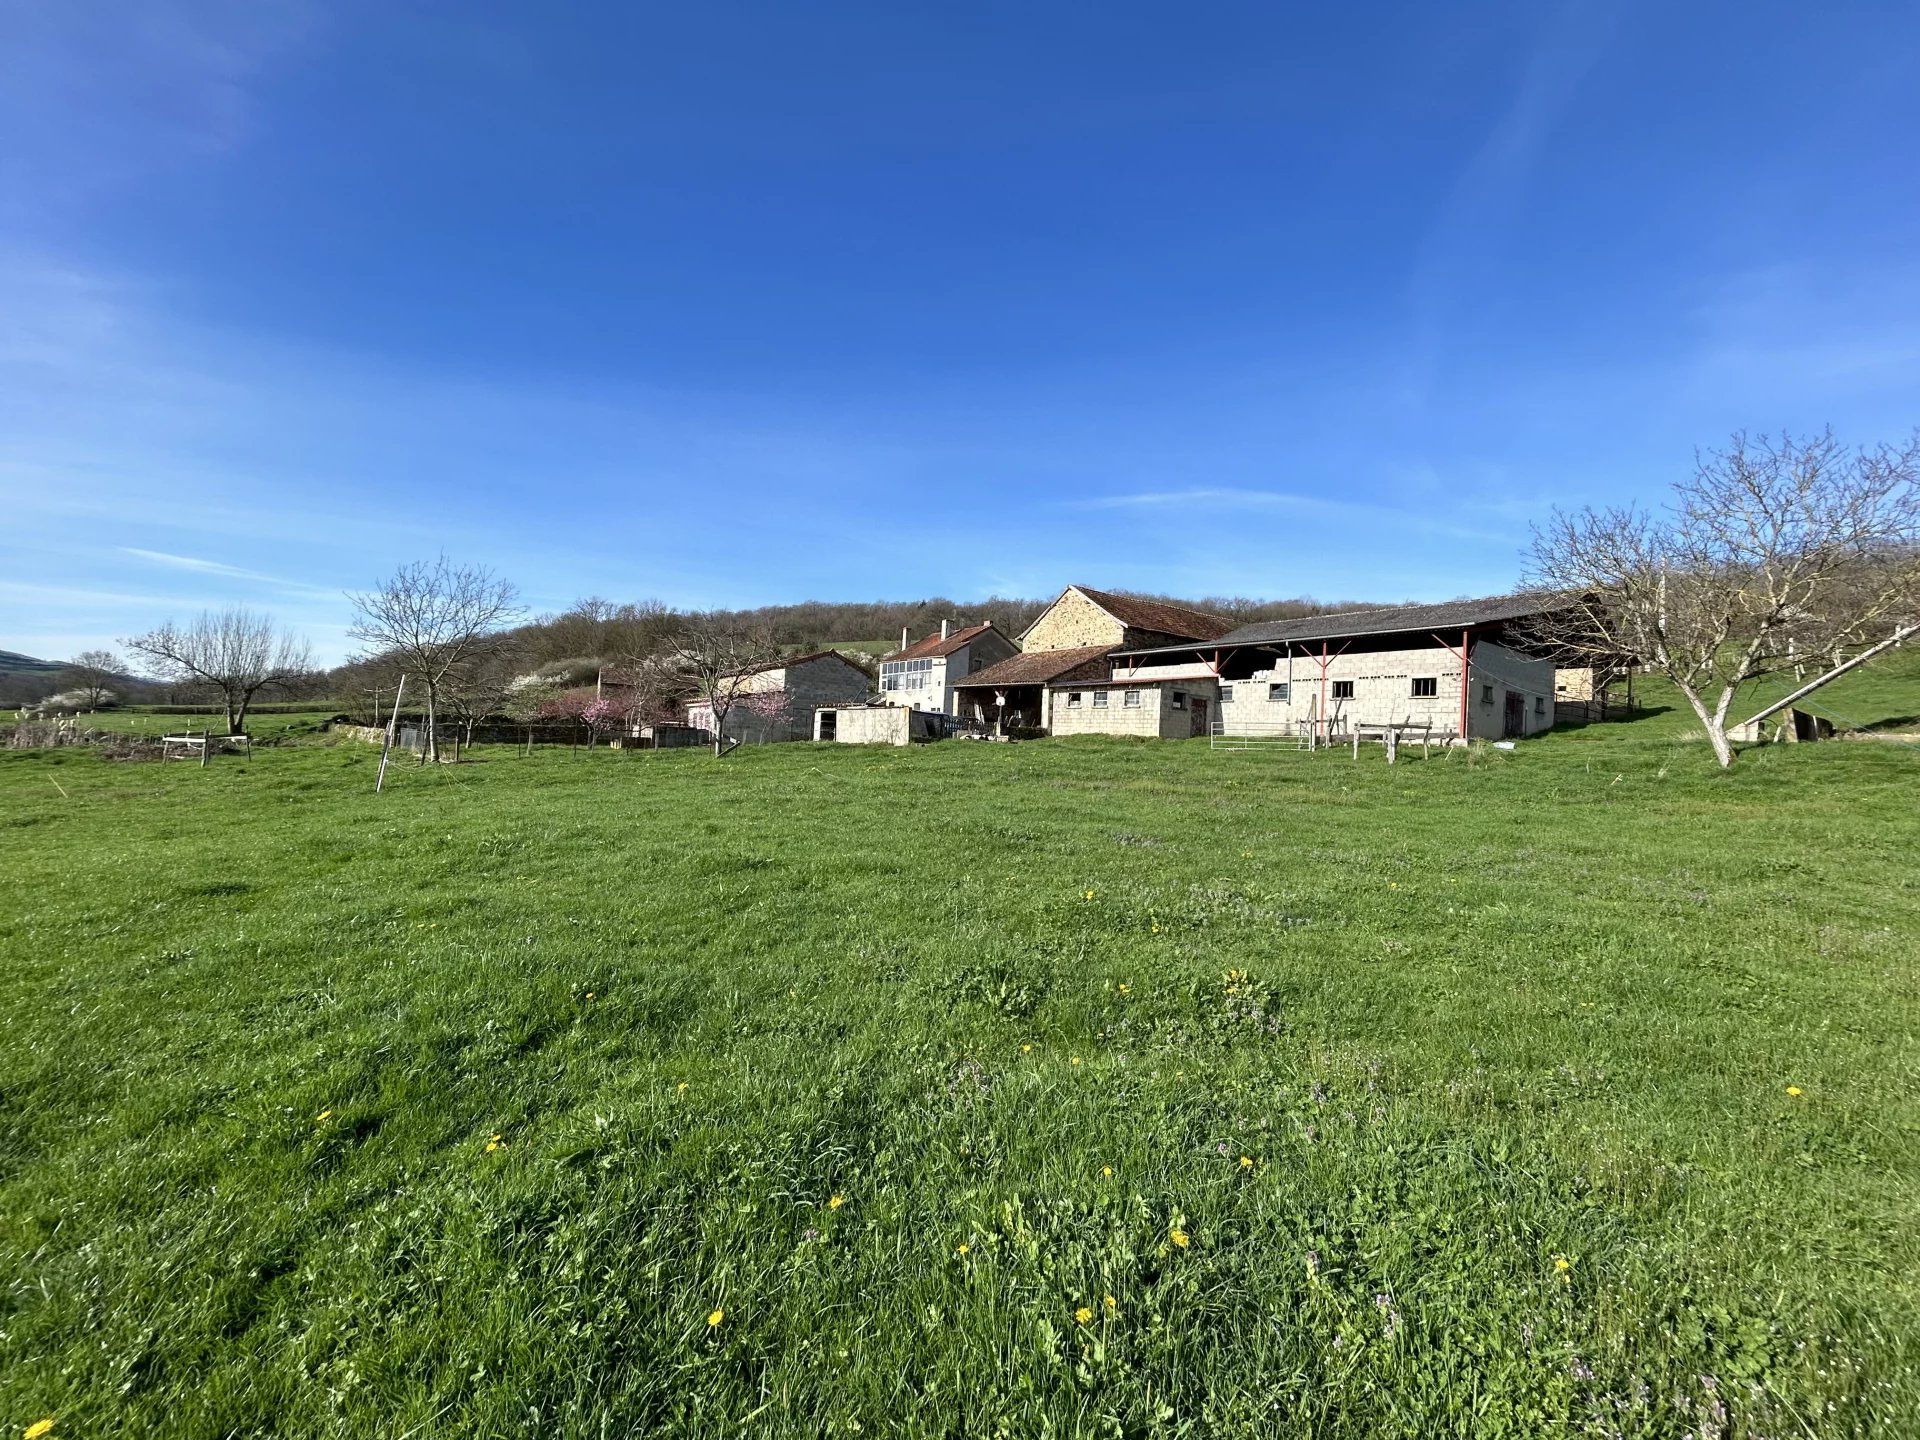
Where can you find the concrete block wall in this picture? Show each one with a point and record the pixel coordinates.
(869, 725)
(1382, 683)
(1154, 716)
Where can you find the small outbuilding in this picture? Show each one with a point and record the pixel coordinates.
(878, 725)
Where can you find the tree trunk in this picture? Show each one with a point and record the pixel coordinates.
(433, 739)
(236, 716)
(1714, 723)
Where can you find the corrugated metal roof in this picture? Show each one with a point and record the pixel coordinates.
(1350, 624)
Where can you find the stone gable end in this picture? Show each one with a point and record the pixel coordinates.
(1070, 622)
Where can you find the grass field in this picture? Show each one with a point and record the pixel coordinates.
(1070, 1088)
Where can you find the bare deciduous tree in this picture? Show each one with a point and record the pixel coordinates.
(478, 689)
(433, 618)
(721, 663)
(236, 652)
(1773, 551)
(91, 675)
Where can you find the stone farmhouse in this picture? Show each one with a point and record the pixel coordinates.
(1463, 668)
(922, 676)
(1070, 643)
(803, 683)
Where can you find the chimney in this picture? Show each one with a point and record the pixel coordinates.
(946, 628)
(903, 637)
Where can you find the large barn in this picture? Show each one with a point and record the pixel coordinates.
(1463, 668)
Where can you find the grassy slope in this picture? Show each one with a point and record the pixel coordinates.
(262, 726)
(1542, 1005)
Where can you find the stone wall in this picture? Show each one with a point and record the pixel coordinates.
(827, 681)
(807, 686)
(1070, 622)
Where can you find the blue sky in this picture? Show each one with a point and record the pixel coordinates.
(736, 304)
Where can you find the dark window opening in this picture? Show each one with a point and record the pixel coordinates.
(1343, 689)
(1425, 687)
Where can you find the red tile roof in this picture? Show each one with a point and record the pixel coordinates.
(1038, 667)
(932, 647)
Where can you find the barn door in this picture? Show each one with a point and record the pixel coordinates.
(1199, 705)
(1516, 718)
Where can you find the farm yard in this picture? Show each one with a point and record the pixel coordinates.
(1078, 1088)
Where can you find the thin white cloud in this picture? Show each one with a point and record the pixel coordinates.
(229, 572)
(105, 95)
(1457, 253)
(203, 567)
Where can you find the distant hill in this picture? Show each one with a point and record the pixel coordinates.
(14, 663)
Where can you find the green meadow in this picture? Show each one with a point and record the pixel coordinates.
(1077, 1088)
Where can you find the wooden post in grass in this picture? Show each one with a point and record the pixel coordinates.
(386, 744)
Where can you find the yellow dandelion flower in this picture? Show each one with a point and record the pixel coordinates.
(495, 1143)
(1178, 1237)
(589, 994)
(961, 1248)
(37, 1429)
(1794, 1090)
(1110, 1302)
(715, 1317)
(1246, 1162)
(323, 1117)
(1084, 1314)
(834, 1202)
(1156, 929)
(1089, 895)
(1107, 1171)
(681, 1088)
(1075, 1060)
(1026, 1049)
